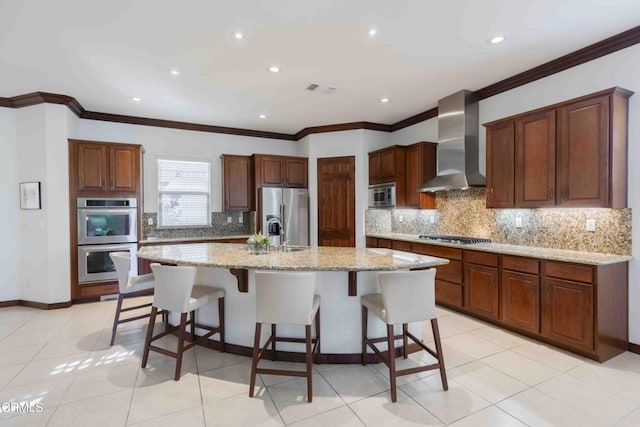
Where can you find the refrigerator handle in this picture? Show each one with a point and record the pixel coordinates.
(282, 229)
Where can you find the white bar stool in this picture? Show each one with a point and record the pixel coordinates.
(129, 287)
(407, 296)
(286, 298)
(175, 291)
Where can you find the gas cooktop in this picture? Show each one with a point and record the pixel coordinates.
(453, 239)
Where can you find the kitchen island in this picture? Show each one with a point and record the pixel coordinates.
(343, 273)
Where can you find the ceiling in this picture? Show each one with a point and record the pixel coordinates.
(104, 53)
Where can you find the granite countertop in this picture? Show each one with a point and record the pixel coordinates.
(592, 258)
(324, 258)
(192, 239)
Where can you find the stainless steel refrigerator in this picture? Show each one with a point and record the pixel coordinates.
(286, 207)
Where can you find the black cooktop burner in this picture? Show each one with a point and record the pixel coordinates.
(454, 239)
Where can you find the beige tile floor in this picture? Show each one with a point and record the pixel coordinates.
(62, 360)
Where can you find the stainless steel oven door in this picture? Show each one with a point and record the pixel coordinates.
(98, 226)
(95, 265)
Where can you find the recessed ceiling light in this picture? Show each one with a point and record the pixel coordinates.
(274, 69)
(373, 32)
(384, 100)
(238, 35)
(175, 72)
(496, 40)
(136, 99)
(262, 116)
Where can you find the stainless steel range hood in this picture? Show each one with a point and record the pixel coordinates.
(458, 150)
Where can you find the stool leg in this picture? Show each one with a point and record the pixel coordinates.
(392, 362)
(273, 340)
(181, 333)
(116, 319)
(147, 341)
(254, 360)
(404, 340)
(318, 332)
(436, 339)
(193, 326)
(221, 322)
(307, 330)
(364, 335)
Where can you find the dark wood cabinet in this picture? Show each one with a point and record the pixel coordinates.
(500, 165)
(99, 169)
(481, 285)
(237, 183)
(572, 154)
(449, 276)
(535, 151)
(520, 300)
(280, 171)
(388, 165)
(420, 168)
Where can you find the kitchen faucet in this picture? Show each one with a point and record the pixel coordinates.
(276, 220)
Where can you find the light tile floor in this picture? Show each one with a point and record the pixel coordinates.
(62, 360)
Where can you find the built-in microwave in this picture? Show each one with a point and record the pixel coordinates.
(382, 196)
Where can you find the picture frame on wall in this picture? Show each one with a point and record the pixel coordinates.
(30, 195)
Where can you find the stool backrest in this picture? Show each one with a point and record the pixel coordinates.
(122, 261)
(173, 287)
(408, 296)
(285, 297)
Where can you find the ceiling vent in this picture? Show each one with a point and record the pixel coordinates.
(327, 90)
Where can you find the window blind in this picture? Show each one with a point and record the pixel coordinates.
(183, 193)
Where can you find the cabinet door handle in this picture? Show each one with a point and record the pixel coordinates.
(551, 194)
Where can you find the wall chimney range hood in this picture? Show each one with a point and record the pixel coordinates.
(458, 149)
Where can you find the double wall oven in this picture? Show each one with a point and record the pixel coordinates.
(105, 226)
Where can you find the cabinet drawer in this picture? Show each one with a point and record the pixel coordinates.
(401, 246)
(372, 242)
(384, 243)
(437, 251)
(579, 273)
(482, 258)
(451, 272)
(448, 293)
(524, 265)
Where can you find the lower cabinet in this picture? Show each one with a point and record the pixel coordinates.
(568, 313)
(481, 290)
(520, 304)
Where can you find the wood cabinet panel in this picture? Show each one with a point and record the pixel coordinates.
(481, 290)
(399, 245)
(92, 167)
(237, 186)
(535, 151)
(296, 172)
(384, 243)
(371, 242)
(563, 270)
(482, 258)
(388, 166)
(374, 168)
(420, 168)
(272, 171)
(336, 201)
(568, 313)
(124, 168)
(520, 300)
(451, 272)
(437, 251)
(525, 265)
(500, 165)
(449, 294)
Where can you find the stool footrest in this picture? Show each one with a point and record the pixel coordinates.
(281, 372)
(136, 307)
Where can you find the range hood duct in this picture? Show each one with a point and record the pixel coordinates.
(458, 148)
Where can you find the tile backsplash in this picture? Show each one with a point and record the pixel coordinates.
(219, 226)
(463, 212)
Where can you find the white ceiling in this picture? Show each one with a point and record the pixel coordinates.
(104, 52)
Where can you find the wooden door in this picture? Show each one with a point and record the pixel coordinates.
(124, 166)
(535, 151)
(237, 188)
(374, 168)
(296, 172)
(92, 168)
(481, 290)
(336, 201)
(272, 171)
(421, 167)
(583, 153)
(520, 305)
(568, 313)
(500, 165)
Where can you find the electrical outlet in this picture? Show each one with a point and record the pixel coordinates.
(399, 218)
(518, 222)
(240, 219)
(432, 219)
(150, 221)
(229, 219)
(590, 225)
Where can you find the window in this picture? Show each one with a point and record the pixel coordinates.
(183, 193)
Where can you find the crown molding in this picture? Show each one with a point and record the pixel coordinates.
(596, 50)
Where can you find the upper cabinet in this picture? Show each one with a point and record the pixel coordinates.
(237, 187)
(420, 168)
(104, 169)
(387, 165)
(572, 154)
(280, 171)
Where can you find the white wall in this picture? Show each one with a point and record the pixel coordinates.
(621, 69)
(9, 206)
(184, 144)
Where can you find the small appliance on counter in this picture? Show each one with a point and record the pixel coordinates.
(453, 239)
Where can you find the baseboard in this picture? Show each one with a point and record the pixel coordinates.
(634, 348)
(34, 304)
